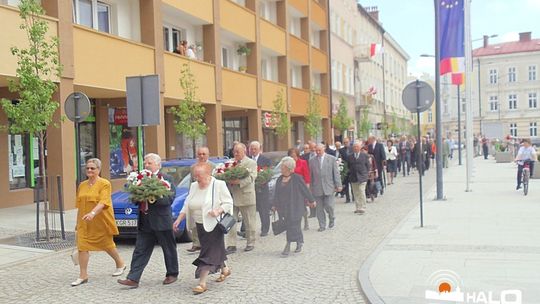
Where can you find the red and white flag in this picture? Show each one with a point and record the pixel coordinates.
(375, 48)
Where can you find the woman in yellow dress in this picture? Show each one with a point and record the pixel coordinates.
(95, 221)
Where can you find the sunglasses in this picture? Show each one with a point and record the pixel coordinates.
(91, 168)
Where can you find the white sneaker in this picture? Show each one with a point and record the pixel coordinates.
(119, 271)
(78, 282)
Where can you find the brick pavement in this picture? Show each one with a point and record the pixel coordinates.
(325, 272)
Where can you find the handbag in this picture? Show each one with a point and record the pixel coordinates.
(226, 221)
(278, 225)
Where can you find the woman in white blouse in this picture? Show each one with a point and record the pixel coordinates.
(391, 160)
(208, 198)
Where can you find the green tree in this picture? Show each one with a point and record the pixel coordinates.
(313, 116)
(394, 124)
(189, 114)
(341, 119)
(37, 66)
(280, 120)
(364, 125)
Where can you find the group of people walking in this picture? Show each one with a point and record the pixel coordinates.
(307, 185)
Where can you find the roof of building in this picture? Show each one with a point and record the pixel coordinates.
(532, 45)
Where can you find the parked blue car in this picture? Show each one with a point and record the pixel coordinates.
(125, 212)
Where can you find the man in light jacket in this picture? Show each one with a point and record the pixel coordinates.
(325, 180)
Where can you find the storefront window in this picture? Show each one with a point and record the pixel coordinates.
(18, 151)
(124, 153)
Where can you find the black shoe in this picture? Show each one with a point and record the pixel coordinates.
(249, 248)
(312, 216)
(298, 247)
(347, 201)
(241, 234)
(518, 187)
(321, 229)
(331, 225)
(230, 250)
(287, 249)
(263, 234)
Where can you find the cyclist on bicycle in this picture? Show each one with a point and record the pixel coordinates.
(526, 154)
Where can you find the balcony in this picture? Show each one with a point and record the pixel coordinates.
(202, 9)
(300, 5)
(318, 14)
(299, 50)
(11, 35)
(237, 20)
(270, 91)
(319, 60)
(239, 89)
(299, 101)
(273, 37)
(324, 105)
(204, 74)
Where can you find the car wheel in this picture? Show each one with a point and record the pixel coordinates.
(183, 236)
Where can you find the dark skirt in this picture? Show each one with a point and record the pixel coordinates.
(294, 230)
(212, 256)
(391, 166)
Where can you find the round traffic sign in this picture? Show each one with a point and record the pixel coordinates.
(418, 96)
(77, 107)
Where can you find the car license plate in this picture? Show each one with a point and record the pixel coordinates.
(126, 223)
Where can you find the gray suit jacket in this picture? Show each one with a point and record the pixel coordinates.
(324, 180)
(244, 193)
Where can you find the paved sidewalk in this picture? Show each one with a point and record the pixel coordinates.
(489, 238)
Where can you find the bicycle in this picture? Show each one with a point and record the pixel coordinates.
(525, 177)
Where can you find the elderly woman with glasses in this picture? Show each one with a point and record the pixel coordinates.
(95, 221)
(290, 192)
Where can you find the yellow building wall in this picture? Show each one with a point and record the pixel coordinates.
(299, 101)
(300, 5)
(237, 19)
(11, 35)
(104, 60)
(319, 60)
(239, 89)
(270, 92)
(202, 9)
(273, 37)
(299, 50)
(318, 14)
(204, 74)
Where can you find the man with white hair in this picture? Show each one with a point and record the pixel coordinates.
(325, 180)
(243, 192)
(155, 224)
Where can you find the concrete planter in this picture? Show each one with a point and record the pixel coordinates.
(536, 170)
(503, 157)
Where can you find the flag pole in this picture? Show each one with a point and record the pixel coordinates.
(468, 93)
(438, 112)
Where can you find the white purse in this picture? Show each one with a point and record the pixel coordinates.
(75, 253)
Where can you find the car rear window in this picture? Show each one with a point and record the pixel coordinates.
(177, 173)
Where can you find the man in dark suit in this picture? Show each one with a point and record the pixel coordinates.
(359, 166)
(154, 224)
(262, 192)
(377, 150)
(342, 152)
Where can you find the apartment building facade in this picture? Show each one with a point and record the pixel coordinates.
(381, 76)
(505, 90)
(103, 42)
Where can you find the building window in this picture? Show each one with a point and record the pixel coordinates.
(533, 101)
(512, 74)
(123, 142)
(430, 116)
(226, 60)
(513, 129)
(445, 106)
(533, 131)
(334, 75)
(493, 76)
(493, 103)
(19, 161)
(512, 101)
(532, 72)
(172, 37)
(92, 13)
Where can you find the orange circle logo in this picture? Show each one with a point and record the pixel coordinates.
(445, 287)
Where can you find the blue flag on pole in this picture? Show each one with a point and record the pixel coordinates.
(451, 35)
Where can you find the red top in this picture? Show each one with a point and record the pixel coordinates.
(303, 170)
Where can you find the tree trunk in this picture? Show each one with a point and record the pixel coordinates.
(193, 142)
(43, 173)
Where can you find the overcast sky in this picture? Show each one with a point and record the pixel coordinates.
(411, 23)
